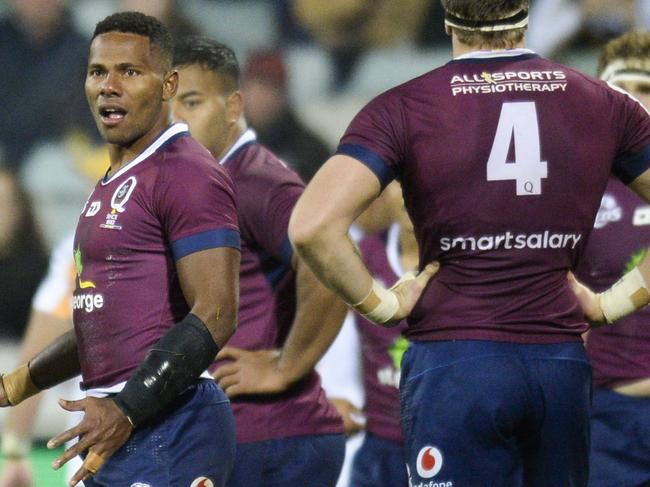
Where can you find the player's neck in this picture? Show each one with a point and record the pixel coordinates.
(460, 49)
(121, 155)
(235, 131)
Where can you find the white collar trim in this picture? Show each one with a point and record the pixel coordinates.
(174, 129)
(497, 53)
(248, 136)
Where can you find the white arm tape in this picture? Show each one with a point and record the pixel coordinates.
(386, 308)
(627, 295)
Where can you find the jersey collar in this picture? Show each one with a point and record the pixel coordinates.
(248, 137)
(495, 54)
(169, 133)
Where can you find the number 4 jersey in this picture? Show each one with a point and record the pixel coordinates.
(503, 157)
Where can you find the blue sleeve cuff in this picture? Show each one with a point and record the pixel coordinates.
(630, 166)
(287, 252)
(211, 239)
(374, 162)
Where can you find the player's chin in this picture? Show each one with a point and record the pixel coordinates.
(112, 135)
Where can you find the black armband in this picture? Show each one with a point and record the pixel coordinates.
(172, 365)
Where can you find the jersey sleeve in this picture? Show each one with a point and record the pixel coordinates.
(196, 205)
(266, 205)
(375, 137)
(633, 154)
(54, 293)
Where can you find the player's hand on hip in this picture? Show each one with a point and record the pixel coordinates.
(409, 289)
(103, 430)
(250, 372)
(589, 300)
(353, 419)
(16, 473)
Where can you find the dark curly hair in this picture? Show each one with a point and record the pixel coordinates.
(141, 24)
(210, 55)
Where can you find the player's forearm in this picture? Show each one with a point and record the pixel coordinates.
(319, 316)
(333, 258)
(55, 364)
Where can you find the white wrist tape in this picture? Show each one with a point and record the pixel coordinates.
(382, 302)
(14, 447)
(626, 296)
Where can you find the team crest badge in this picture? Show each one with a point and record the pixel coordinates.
(122, 194)
(202, 482)
(429, 462)
(118, 202)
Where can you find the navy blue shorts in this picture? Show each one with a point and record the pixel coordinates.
(284, 462)
(195, 440)
(379, 462)
(620, 440)
(478, 413)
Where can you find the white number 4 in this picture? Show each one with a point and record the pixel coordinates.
(518, 120)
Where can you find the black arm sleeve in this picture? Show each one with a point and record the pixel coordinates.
(172, 365)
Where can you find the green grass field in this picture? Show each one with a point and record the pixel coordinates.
(41, 459)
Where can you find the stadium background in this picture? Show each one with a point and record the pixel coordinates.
(328, 58)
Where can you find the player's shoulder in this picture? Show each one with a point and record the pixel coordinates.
(184, 157)
(184, 151)
(257, 164)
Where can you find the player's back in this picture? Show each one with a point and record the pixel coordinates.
(503, 160)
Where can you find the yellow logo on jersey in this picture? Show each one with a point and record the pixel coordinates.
(488, 77)
(79, 267)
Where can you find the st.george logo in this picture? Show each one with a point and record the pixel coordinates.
(429, 462)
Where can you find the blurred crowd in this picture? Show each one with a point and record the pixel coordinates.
(309, 65)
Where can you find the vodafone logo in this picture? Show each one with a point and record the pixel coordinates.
(429, 462)
(202, 482)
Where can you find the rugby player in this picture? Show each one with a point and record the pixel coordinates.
(157, 264)
(503, 158)
(620, 355)
(294, 435)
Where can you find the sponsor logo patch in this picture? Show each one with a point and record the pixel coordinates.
(429, 462)
(508, 82)
(202, 482)
(93, 209)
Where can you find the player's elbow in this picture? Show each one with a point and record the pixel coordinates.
(305, 233)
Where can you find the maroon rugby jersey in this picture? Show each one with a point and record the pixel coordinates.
(267, 191)
(618, 353)
(381, 347)
(170, 201)
(503, 158)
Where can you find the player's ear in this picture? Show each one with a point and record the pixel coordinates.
(234, 107)
(170, 84)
